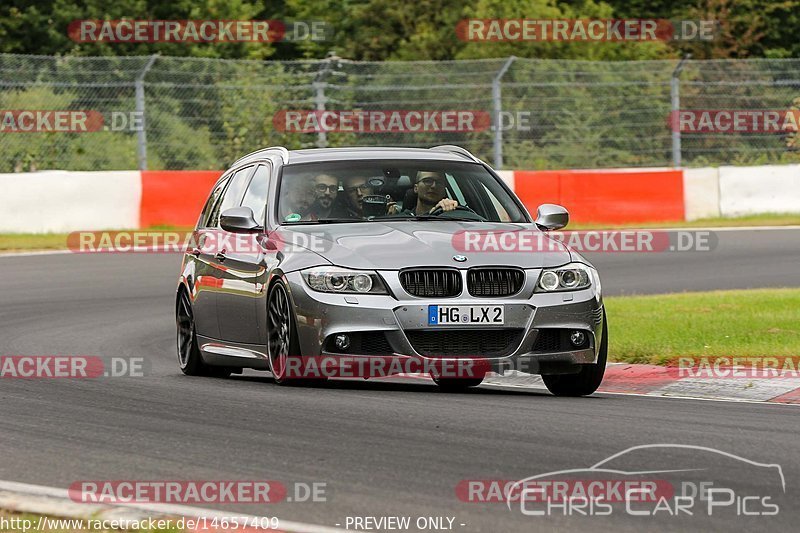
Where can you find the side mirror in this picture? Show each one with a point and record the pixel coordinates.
(551, 217)
(239, 220)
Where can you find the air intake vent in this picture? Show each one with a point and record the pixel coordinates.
(549, 340)
(465, 343)
(431, 283)
(494, 282)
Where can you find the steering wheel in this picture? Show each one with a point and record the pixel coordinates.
(438, 211)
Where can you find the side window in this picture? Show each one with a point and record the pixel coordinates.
(256, 195)
(232, 197)
(211, 204)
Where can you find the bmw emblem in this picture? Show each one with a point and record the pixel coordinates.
(460, 258)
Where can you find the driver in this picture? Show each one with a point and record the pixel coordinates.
(431, 190)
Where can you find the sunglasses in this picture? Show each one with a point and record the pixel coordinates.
(321, 188)
(432, 182)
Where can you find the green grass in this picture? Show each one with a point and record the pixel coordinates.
(22, 242)
(742, 323)
(768, 219)
(17, 242)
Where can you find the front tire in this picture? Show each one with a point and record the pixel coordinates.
(587, 380)
(282, 342)
(189, 359)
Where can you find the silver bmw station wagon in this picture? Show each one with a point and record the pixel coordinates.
(366, 262)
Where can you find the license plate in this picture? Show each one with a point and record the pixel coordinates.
(447, 315)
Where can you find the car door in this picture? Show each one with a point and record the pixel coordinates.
(201, 255)
(241, 267)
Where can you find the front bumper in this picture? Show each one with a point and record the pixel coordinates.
(320, 315)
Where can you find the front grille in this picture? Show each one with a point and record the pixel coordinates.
(495, 281)
(432, 282)
(486, 342)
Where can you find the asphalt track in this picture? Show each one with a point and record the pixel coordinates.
(383, 448)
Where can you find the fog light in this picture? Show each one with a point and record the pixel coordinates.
(577, 338)
(342, 342)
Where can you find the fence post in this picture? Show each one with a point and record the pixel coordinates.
(498, 109)
(141, 135)
(675, 96)
(319, 95)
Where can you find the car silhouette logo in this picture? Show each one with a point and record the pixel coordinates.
(460, 258)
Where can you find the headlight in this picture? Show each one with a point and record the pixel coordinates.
(571, 277)
(343, 280)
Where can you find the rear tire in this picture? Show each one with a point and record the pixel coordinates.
(189, 359)
(587, 380)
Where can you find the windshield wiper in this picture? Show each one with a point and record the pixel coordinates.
(323, 221)
(432, 217)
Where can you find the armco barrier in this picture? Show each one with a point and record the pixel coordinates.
(60, 201)
(610, 196)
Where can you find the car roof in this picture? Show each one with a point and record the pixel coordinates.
(313, 155)
(340, 154)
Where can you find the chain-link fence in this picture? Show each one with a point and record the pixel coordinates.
(204, 113)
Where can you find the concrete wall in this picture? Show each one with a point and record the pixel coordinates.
(61, 201)
(763, 189)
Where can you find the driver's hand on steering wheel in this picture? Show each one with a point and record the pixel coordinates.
(446, 204)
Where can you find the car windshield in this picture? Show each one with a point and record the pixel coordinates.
(387, 190)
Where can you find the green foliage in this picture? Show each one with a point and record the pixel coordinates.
(424, 29)
(47, 150)
(203, 114)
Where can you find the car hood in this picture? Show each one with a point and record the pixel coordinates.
(397, 245)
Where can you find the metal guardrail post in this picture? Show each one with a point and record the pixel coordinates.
(498, 109)
(675, 97)
(320, 99)
(141, 135)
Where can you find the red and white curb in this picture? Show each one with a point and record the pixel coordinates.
(654, 380)
(55, 502)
